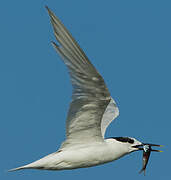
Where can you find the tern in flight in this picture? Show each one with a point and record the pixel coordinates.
(91, 111)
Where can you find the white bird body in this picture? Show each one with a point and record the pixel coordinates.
(82, 156)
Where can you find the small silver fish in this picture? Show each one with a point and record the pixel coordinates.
(146, 154)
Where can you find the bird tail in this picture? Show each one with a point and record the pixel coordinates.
(18, 168)
(27, 166)
(42, 163)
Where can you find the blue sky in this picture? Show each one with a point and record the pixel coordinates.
(129, 43)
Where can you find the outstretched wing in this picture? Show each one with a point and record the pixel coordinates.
(90, 96)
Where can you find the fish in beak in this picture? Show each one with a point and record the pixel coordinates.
(146, 153)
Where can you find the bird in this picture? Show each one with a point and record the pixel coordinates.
(91, 111)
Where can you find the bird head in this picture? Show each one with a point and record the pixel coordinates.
(135, 145)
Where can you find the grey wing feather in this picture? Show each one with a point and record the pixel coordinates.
(90, 95)
(111, 112)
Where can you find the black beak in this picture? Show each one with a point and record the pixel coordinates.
(141, 147)
(146, 153)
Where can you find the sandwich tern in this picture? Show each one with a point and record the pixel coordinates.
(91, 111)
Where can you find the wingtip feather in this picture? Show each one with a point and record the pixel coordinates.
(46, 7)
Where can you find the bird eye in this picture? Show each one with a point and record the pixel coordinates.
(131, 141)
